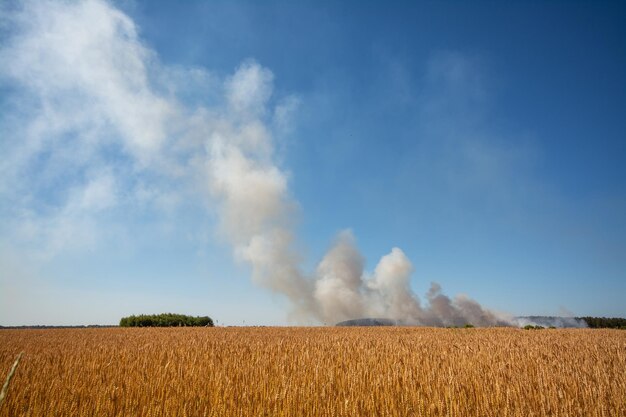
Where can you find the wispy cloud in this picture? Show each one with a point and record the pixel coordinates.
(90, 125)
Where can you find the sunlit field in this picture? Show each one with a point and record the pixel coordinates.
(315, 372)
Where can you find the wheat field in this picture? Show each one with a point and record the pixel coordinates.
(315, 372)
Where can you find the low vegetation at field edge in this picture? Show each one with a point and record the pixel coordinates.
(165, 320)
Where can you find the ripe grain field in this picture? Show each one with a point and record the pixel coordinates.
(315, 372)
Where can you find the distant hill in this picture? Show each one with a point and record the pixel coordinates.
(369, 322)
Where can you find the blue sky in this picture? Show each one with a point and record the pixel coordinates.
(486, 140)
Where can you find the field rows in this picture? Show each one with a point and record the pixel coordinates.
(315, 372)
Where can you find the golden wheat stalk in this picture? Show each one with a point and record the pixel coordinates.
(5, 387)
(319, 372)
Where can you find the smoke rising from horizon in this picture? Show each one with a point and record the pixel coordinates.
(88, 103)
(548, 321)
(255, 208)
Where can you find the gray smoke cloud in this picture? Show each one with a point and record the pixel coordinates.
(549, 321)
(255, 212)
(96, 88)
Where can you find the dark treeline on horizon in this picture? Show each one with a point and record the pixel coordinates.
(604, 322)
(165, 320)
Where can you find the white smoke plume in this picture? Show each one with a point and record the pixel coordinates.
(98, 90)
(549, 321)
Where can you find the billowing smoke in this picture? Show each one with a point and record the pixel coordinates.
(255, 213)
(96, 90)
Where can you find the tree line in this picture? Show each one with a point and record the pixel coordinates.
(165, 320)
(604, 322)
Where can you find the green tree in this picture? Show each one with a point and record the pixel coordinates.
(165, 320)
